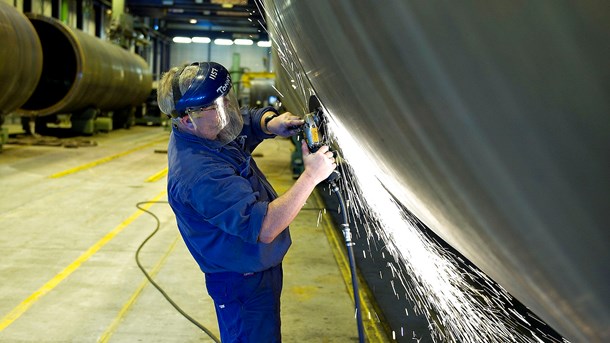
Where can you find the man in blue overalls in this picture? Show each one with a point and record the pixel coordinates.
(231, 219)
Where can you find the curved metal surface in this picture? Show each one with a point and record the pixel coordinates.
(494, 120)
(81, 70)
(20, 58)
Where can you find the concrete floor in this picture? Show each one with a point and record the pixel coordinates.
(69, 231)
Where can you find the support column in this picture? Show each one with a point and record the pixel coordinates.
(79, 14)
(118, 7)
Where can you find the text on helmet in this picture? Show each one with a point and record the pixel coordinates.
(224, 88)
(213, 73)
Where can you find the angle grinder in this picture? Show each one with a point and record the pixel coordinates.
(314, 131)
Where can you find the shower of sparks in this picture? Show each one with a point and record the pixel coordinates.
(435, 282)
(456, 310)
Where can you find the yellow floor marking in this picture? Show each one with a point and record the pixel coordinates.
(104, 160)
(157, 176)
(132, 300)
(373, 328)
(51, 284)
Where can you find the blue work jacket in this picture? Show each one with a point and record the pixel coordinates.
(220, 198)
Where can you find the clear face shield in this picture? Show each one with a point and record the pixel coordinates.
(222, 118)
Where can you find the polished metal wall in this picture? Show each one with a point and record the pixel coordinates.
(494, 120)
(20, 59)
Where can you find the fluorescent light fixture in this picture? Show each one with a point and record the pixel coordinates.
(193, 21)
(181, 40)
(264, 44)
(220, 41)
(201, 40)
(244, 42)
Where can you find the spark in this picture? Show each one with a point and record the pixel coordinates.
(278, 91)
(319, 219)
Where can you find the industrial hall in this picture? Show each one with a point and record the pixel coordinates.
(304, 171)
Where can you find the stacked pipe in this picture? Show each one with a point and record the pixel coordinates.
(52, 68)
(20, 59)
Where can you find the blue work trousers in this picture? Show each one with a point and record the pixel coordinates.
(247, 305)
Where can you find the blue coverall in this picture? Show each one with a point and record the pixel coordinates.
(220, 198)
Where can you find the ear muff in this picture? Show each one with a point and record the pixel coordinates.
(176, 91)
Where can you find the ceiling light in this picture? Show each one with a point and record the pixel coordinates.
(264, 44)
(233, 14)
(193, 21)
(201, 40)
(220, 41)
(232, 2)
(181, 40)
(244, 42)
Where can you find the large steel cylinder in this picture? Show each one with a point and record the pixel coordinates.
(492, 118)
(81, 70)
(20, 58)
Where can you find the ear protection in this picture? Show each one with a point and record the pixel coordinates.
(176, 90)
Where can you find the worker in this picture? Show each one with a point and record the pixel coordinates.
(232, 221)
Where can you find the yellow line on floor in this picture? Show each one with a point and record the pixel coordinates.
(51, 284)
(373, 328)
(157, 176)
(132, 300)
(104, 160)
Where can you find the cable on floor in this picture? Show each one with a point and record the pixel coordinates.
(184, 314)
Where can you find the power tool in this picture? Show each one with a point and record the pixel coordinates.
(314, 131)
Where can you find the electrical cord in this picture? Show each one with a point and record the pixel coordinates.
(184, 314)
(350, 254)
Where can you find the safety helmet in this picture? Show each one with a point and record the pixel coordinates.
(211, 82)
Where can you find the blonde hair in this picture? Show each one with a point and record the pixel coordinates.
(165, 93)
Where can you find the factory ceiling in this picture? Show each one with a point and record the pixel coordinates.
(203, 18)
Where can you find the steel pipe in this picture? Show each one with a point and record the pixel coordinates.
(492, 118)
(81, 70)
(20, 58)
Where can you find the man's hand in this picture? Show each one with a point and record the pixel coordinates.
(285, 125)
(320, 164)
(284, 209)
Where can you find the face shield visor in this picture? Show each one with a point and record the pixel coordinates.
(211, 103)
(222, 118)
